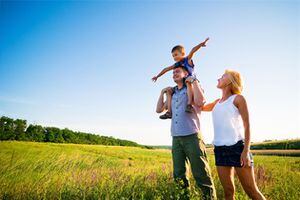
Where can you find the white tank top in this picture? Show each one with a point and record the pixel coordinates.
(228, 124)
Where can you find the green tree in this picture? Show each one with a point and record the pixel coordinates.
(11, 129)
(7, 128)
(19, 129)
(50, 134)
(68, 136)
(58, 138)
(2, 123)
(35, 133)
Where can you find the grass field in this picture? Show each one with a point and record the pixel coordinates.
(31, 170)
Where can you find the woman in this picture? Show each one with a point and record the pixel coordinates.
(232, 137)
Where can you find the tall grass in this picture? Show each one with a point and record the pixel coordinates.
(31, 170)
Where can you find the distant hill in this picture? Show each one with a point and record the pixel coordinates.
(277, 144)
(161, 147)
(292, 144)
(17, 129)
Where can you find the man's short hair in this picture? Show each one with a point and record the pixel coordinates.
(179, 48)
(178, 65)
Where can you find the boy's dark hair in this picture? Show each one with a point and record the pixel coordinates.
(179, 48)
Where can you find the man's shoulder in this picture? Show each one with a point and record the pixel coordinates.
(175, 88)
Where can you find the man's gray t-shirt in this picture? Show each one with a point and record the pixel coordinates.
(183, 123)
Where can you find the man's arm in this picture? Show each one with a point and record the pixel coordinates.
(165, 70)
(196, 48)
(199, 99)
(161, 103)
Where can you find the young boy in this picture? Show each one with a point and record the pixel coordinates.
(178, 54)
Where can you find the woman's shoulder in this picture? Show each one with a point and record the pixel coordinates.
(239, 99)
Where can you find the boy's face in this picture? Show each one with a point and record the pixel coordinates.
(177, 55)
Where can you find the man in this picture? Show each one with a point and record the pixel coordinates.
(187, 143)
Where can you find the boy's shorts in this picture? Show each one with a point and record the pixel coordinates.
(191, 75)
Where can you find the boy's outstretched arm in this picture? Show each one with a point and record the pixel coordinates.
(165, 70)
(196, 48)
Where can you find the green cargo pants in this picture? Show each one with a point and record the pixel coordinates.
(192, 148)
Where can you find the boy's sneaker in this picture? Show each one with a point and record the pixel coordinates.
(167, 115)
(189, 108)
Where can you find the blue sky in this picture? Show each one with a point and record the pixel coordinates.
(87, 65)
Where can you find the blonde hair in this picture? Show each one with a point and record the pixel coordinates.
(236, 80)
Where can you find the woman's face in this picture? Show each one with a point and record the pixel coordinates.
(223, 81)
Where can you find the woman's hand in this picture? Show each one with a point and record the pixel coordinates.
(245, 159)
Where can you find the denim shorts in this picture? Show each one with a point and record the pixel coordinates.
(230, 155)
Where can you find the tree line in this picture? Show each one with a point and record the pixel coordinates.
(279, 144)
(17, 129)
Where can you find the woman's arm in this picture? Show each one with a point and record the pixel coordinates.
(241, 104)
(209, 106)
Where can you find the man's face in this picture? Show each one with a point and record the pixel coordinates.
(179, 74)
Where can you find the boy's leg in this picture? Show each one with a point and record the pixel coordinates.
(189, 92)
(168, 114)
(196, 153)
(189, 107)
(169, 101)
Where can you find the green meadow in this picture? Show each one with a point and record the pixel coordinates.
(31, 170)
